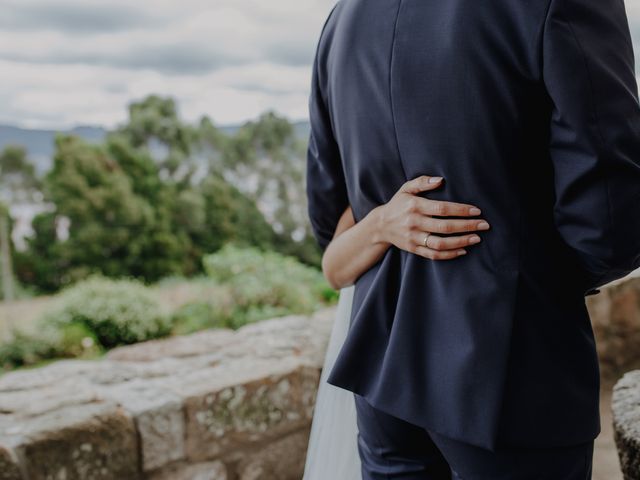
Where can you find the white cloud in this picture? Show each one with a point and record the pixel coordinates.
(69, 62)
(45, 95)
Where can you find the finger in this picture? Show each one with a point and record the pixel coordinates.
(445, 225)
(441, 208)
(420, 184)
(436, 242)
(436, 254)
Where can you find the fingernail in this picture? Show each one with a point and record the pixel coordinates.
(474, 239)
(462, 252)
(474, 211)
(483, 226)
(434, 179)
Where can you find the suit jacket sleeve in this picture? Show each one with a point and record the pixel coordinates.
(325, 181)
(588, 72)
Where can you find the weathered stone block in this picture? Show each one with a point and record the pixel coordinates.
(9, 468)
(283, 459)
(198, 471)
(197, 343)
(51, 397)
(261, 403)
(81, 442)
(625, 405)
(159, 419)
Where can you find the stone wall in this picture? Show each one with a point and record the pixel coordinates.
(626, 423)
(216, 404)
(615, 314)
(225, 405)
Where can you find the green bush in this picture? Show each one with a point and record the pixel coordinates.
(113, 312)
(213, 312)
(76, 340)
(242, 285)
(252, 285)
(49, 342)
(24, 349)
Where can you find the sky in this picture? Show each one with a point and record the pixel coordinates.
(80, 62)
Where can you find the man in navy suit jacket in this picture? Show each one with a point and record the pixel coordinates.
(529, 110)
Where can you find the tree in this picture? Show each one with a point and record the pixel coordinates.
(5, 254)
(158, 194)
(113, 230)
(154, 124)
(18, 179)
(265, 160)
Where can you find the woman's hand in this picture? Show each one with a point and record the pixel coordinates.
(407, 218)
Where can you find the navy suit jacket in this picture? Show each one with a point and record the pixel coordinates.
(529, 110)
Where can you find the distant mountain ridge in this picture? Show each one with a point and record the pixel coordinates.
(39, 143)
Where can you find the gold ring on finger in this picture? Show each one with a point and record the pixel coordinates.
(426, 237)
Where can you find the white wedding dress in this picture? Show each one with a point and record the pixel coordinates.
(332, 453)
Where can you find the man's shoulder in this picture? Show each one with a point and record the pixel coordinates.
(327, 26)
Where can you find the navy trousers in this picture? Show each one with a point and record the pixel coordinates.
(391, 448)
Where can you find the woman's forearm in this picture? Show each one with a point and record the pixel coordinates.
(355, 250)
(407, 221)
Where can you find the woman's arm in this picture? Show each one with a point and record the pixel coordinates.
(403, 221)
(354, 249)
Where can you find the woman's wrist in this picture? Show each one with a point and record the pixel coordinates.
(377, 221)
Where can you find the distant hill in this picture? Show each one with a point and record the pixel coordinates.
(39, 143)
